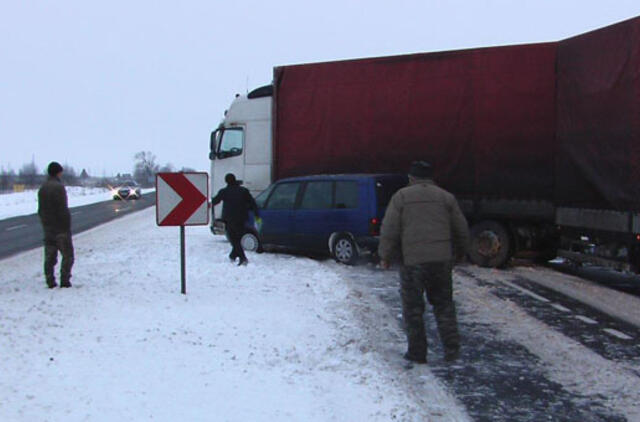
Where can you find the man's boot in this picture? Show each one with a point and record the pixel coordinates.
(416, 359)
(51, 283)
(451, 355)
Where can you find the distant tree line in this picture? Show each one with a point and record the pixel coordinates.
(30, 176)
(145, 168)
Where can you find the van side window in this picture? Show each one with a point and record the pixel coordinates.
(346, 194)
(283, 196)
(317, 195)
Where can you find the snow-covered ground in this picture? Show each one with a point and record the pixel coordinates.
(25, 203)
(280, 339)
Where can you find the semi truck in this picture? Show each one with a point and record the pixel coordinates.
(540, 143)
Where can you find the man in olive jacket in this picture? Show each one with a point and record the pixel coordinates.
(56, 224)
(423, 227)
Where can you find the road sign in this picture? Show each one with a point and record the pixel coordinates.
(182, 199)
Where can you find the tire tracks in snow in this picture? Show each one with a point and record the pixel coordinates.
(498, 376)
(592, 377)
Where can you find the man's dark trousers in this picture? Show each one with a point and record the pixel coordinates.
(235, 230)
(434, 279)
(52, 244)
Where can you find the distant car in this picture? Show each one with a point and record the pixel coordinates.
(127, 190)
(338, 215)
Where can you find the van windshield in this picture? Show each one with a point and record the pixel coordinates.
(263, 196)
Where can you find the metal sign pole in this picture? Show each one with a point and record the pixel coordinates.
(181, 200)
(182, 262)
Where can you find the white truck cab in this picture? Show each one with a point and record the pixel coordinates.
(242, 143)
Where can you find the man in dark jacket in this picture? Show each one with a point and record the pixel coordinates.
(237, 201)
(54, 215)
(423, 226)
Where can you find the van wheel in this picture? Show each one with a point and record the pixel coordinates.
(250, 242)
(490, 244)
(345, 250)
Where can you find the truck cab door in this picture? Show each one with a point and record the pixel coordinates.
(228, 158)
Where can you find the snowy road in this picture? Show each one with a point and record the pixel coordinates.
(290, 338)
(531, 353)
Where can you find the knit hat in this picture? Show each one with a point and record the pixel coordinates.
(421, 170)
(54, 168)
(230, 178)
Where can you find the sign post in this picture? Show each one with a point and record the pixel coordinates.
(183, 265)
(182, 200)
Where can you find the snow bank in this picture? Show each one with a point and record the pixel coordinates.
(25, 203)
(271, 341)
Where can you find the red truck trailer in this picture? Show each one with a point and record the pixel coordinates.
(597, 166)
(538, 142)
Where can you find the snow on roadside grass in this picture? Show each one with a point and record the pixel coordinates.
(271, 341)
(24, 203)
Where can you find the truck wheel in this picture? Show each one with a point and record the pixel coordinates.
(345, 250)
(490, 244)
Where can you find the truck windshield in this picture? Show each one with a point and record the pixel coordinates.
(231, 143)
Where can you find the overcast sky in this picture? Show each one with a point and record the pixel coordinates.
(91, 84)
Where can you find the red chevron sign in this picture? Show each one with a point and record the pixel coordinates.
(181, 199)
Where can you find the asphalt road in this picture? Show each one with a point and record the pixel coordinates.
(500, 379)
(624, 282)
(23, 233)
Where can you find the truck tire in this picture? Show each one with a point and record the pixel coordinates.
(490, 245)
(345, 250)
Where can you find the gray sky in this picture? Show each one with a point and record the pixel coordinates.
(92, 83)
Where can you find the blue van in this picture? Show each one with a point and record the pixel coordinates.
(335, 214)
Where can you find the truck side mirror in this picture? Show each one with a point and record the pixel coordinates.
(212, 145)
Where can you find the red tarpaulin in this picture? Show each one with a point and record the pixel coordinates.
(485, 118)
(598, 160)
(556, 121)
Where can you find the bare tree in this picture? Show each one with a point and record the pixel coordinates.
(145, 167)
(7, 179)
(29, 174)
(167, 168)
(70, 177)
